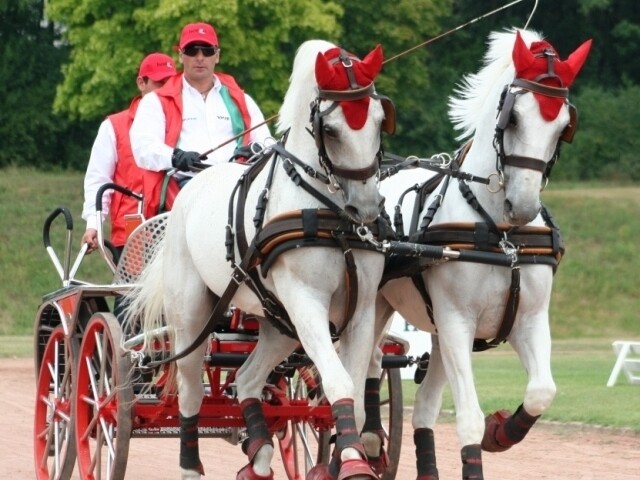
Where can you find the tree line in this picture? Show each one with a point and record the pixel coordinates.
(69, 63)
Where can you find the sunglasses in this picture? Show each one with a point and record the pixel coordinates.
(192, 50)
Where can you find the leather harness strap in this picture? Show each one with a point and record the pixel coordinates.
(533, 245)
(529, 239)
(525, 162)
(252, 256)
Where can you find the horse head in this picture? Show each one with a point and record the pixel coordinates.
(524, 79)
(346, 119)
(534, 116)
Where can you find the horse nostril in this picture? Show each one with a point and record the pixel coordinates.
(352, 212)
(507, 206)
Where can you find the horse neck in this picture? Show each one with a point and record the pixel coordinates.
(481, 162)
(285, 195)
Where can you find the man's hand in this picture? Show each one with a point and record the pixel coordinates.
(90, 237)
(184, 160)
(244, 153)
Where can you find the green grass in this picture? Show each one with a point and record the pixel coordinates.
(597, 288)
(12, 346)
(596, 291)
(580, 369)
(27, 197)
(596, 296)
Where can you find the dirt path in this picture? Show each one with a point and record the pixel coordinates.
(549, 452)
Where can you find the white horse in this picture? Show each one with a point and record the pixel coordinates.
(524, 85)
(190, 274)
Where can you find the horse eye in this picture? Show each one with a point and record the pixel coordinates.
(330, 131)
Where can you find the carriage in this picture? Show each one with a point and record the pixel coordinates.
(94, 392)
(99, 386)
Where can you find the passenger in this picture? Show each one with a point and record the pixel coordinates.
(191, 114)
(111, 159)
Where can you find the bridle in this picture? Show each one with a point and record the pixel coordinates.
(355, 92)
(505, 111)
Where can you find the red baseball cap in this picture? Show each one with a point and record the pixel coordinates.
(198, 32)
(157, 67)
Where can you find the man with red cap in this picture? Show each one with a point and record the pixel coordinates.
(112, 160)
(192, 113)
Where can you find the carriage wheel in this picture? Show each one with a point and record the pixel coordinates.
(391, 413)
(54, 442)
(302, 444)
(103, 400)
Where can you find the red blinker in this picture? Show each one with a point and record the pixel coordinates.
(332, 75)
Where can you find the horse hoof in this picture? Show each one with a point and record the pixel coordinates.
(491, 424)
(247, 473)
(356, 468)
(320, 472)
(380, 463)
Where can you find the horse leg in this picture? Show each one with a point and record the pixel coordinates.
(250, 379)
(311, 313)
(503, 429)
(373, 434)
(428, 404)
(190, 394)
(187, 303)
(455, 342)
(356, 345)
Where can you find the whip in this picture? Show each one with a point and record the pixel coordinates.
(427, 42)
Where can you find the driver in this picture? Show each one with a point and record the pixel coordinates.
(193, 112)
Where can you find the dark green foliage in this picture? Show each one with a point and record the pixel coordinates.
(86, 61)
(410, 79)
(31, 134)
(606, 144)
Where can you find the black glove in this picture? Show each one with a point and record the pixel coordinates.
(245, 152)
(184, 160)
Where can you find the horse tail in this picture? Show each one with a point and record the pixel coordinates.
(145, 304)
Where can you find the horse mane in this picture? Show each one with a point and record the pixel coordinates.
(466, 105)
(302, 84)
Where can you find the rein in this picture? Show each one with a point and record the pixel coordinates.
(302, 228)
(329, 227)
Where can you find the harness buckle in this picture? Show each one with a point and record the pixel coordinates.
(333, 186)
(238, 275)
(509, 249)
(499, 176)
(443, 158)
(346, 61)
(367, 236)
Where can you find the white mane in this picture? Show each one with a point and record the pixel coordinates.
(302, 84)
(467, 104)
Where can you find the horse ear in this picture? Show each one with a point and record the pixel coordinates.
(576, 60)
(372, 63)
(522, 56)
(324, 71)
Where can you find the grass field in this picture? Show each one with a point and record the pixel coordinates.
(596, 296)
(596, 291)
(580, 368)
